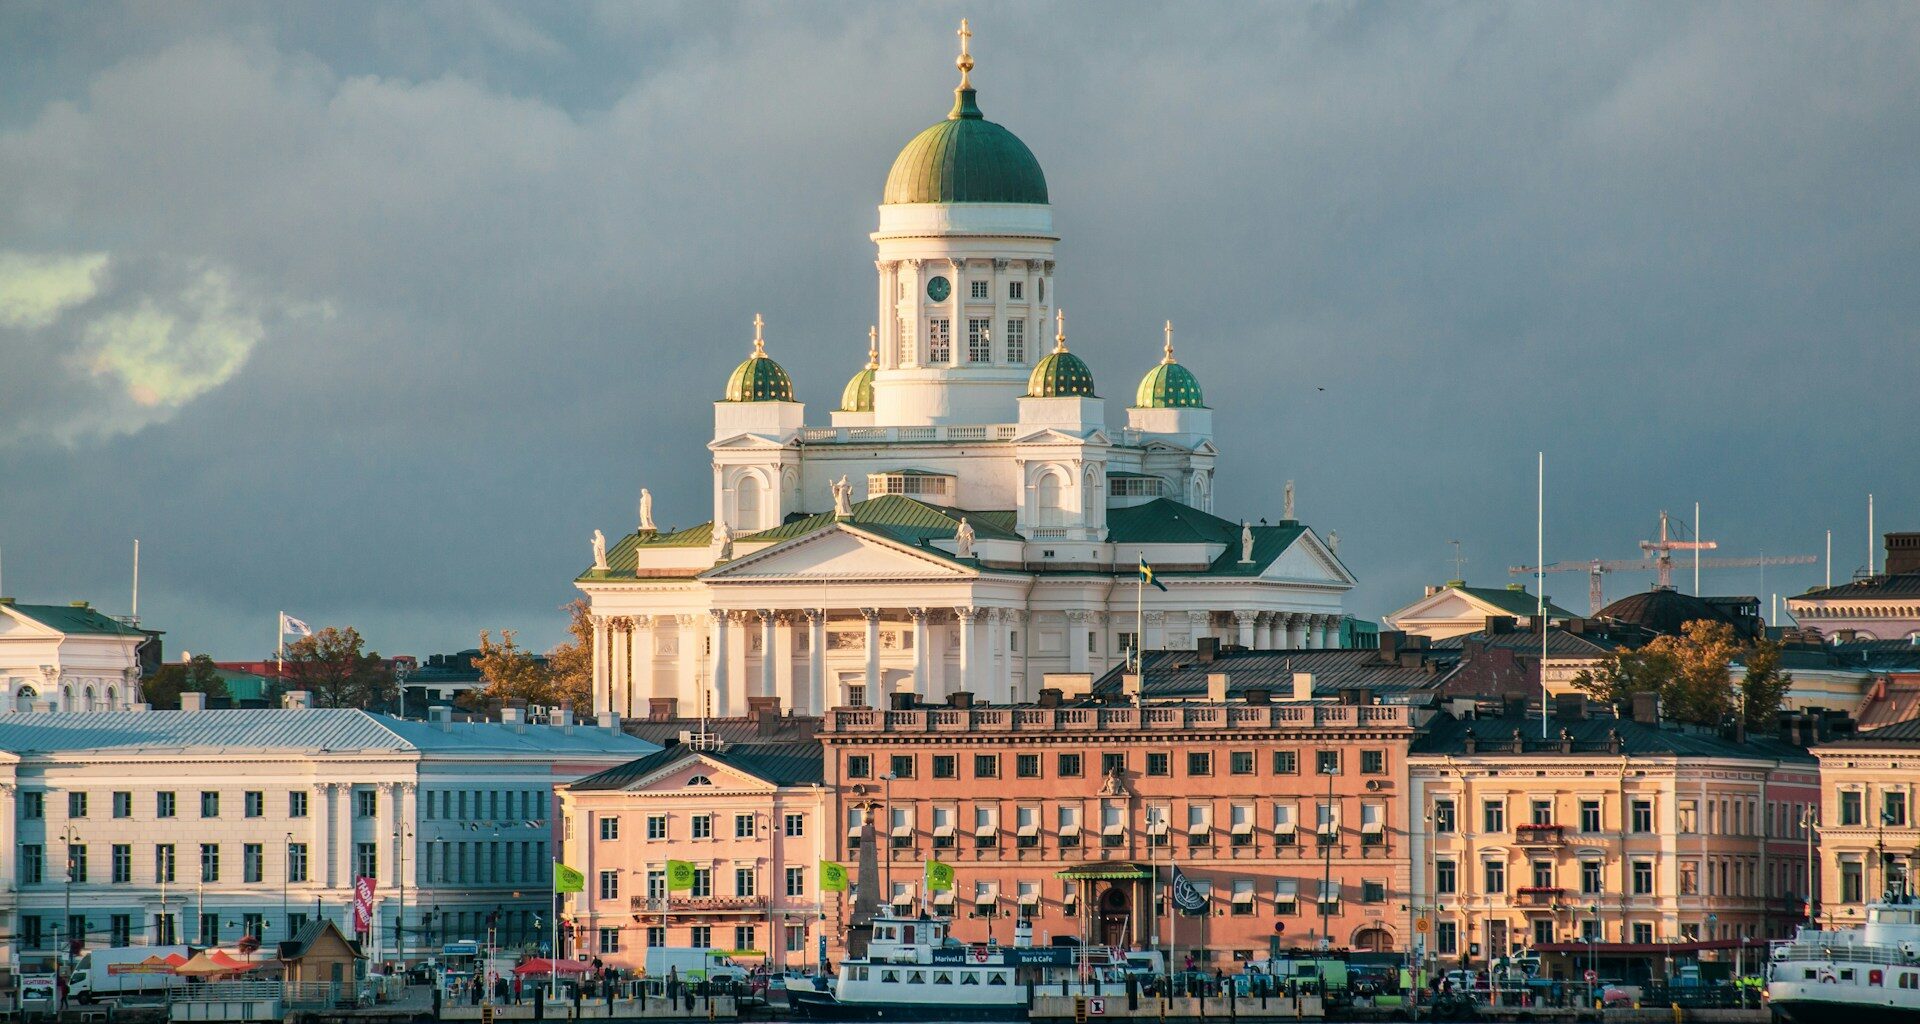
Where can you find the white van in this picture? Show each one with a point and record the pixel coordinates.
(124, 971)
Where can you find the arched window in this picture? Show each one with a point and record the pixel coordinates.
(746, 502)
(23, 701)
(1051, 500)
(699, 780)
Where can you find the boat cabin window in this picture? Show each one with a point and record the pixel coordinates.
(916, 978)
(997, 978)
(889, 977)
(969, 978)
(884, 933)
(1847, 974)
(943, 977)
(909, 934)
(1909, 980)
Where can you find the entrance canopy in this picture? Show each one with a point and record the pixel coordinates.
(1105, 872)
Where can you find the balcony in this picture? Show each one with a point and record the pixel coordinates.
(1537, 895)
(699, 905)
(1162, 718)
(1540, 835)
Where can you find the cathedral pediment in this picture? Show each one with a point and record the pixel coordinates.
(749, 442)
(842, 552)
(1308, 560)
(1053, 435)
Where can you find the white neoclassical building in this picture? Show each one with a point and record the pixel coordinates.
(67, 658)
(969, 520)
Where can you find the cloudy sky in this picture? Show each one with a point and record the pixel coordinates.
(374, 312)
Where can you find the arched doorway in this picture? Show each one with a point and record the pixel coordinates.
(1116, 916)
(1373, 940)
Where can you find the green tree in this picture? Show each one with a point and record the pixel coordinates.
(330, 665)
(1763, 690)
(198, 675)
(1693, 674)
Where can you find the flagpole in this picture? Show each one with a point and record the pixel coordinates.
(1139, 627)
(280, 649)
(553, 931)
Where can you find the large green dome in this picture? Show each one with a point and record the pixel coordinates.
(965, 159)
(759, 379)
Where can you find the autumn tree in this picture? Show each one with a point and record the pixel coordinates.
(512, 673)
(1693, 675)
(571, 663)
(164, 687)
(330, 664)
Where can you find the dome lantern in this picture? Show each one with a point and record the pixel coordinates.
(759, 379)
(1061, 374)
(1169, 385)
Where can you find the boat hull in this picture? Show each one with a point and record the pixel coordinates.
(824, 1006)
(1834, 1011)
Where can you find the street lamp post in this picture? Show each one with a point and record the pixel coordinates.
(68, 838)
(404, 835)
(1809, 823)
(286, 876)
(1329, 832)
(887, 871)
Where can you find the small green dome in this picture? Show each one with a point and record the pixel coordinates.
(1169, 385)
(965, 159)
(759, 379)
(858, 397)
(1060, 375)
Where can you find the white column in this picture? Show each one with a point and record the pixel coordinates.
(1009, 620)
(1200, 624)
(1330, 631)
(10, 849)
(641, 692)
(938, 683)
(921, 680)
(767, 657)
(1155, 626)
(784, 681)
(876, 697)
(737, 681)
(969, 649)
(1076, 641)
(957, 310)
(600, 674)
(688, 640)
(387, 870)
(1244, 622)
(1296, 631)
(319, 823)
(1315, 631)
(722, 668)
(816, 661)
(343, 835)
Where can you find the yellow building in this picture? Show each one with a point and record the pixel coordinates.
(1867, 835)
(1650, 840)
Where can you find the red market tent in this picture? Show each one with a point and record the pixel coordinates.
(543, 966)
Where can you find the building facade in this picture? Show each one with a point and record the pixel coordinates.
(150, 827)
(1868, 838)
(751, 817)
(69, 658)
(1290, 815)
(1626, 833)
(969, 521)
(1883, 605)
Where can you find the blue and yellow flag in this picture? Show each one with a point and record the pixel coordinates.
(1146, 574)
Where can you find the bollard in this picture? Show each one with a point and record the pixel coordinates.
(1679, 1015)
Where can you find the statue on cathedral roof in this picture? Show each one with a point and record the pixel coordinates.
(842, 497)
(1246, 541)
(646, 511)
(599, 550)
(963, 539)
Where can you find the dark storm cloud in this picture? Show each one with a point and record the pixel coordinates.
(500, 257)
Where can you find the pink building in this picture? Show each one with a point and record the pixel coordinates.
(751, 818)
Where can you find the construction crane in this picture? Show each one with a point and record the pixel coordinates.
(1656, 555)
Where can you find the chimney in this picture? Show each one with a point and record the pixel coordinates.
(1566, 742)
(1431, 589)
(1613, 741)
(1390, 643)
(1473, 742)
(301, 699)
(562, 717)
(1355, 696)
(1500, 624)
(1516, 706)
(662, 709)
(1208, 648)
(191, 701)
(608, 720)
(1257, 695)
(1130, 686)
(1072, 685)
(960, 699)
(1570, 707)
(1645, 708)
(440, 716)
(140, 707)
(895, 701)
(1303, 686)
(514, 718)
(1217, 687)
(1903, 553)
(1049, 697)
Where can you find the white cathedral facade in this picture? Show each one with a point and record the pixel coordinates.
(968, 521)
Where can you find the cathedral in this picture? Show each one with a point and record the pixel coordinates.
(967, 525)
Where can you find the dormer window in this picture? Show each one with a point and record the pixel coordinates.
(913, 483)
(1135, 485)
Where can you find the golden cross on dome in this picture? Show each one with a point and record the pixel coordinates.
(965, 61)
(1060, 330)
(873, 348)
(1168, 358)
(759, 342)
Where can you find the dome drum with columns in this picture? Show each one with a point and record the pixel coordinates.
(968, 521)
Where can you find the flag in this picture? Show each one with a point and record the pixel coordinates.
(289, 624)
(1186, 896)
(679, 875)
(1146, 574)
(833, 877)
(939, 876)
(566, 879)
(362, 904)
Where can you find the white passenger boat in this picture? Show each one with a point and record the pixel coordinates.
(1868, 975)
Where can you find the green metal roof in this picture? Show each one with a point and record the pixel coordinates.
(76, 618)
(902, 518)
(858, 396)
(1060, 375)
(1169, 386)
(1166, 521)
(759, 379)
(1513, 600)
(965, 159)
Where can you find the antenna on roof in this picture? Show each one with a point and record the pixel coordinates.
(135, 616)
(1459, 561)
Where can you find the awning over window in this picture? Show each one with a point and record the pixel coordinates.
(1030, 829)
(985, 831)
(1070, 830)
(1243, 828)
(943, 899)
(1029, 899)
(943, 830)
(902, 831)
(1124, 871)
(1114, 830)
(1286, 890)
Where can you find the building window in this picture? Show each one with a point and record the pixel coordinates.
(366, 861)
(1446, 879)
(1373, 762)
(1199, 762)
(1893, 809)
(1689, 878)
(1542, 812)
(1443, 817)
(77, 863)
(256, 803)
(1026, 766)
(796, 881)
(1642, 877)
(656, 936)
(33, 860)
(609, 940)
(703, 826)
(1446, 938)
(1643, 932)
(939, 340)
(1542, 930)
(296, 805)
(1496, 876)
(1042, 285)
(1852, 887)
(1688, 813)
(1373, 892)
(859, 766)
(76, 805)
(1589, 816)
(120, 930)
(700, 936)
(1326, 762)
(1851, 804)
(209, 804)
(902, 766)
(979, 339)
(1590, 883)
(610, 828)
(856, 692)
(1068, 766)
(745, 882)
(656, 826)
(209, 862)
(1158, 764)
(30, 935)
(794, 825)
(366, 803)
(986, 766)
(163, 863)
(1111, 763)
(609, 885)
(1240, 762)
(1493, 816)
(1016, 290)
(296, 862)
(123, 805)
(1643, 816)
(1286, 762)
(976, 289)
(1543, 874)
(163, 805)
(33, 804)
(253, 863)
(702, 883)
(743, 826)
(945, 766)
